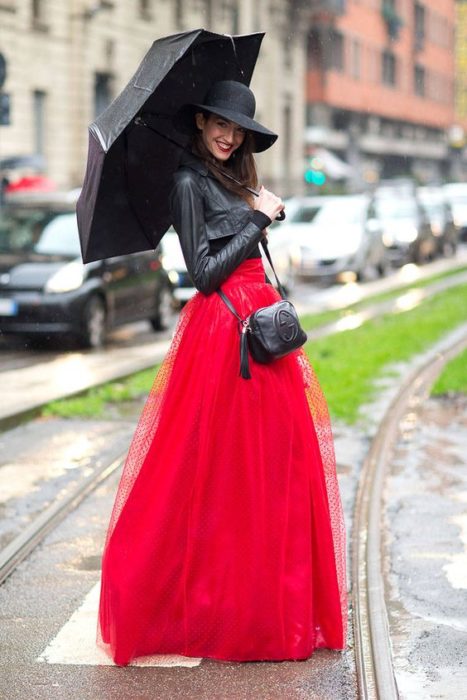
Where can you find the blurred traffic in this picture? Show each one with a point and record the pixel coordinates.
(47, 292)
(332, 239)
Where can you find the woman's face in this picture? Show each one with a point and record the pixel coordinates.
(220, 136)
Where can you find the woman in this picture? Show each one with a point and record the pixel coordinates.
(226, 539)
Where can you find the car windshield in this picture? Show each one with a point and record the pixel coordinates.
(396, 208)
(305, 214)
(340, 211)
(458, 198)
(434, 208)
(45, 233)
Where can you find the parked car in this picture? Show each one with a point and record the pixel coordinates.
(407, 231)
(45, 290)
(344, 235)
(183, 289)
(174, 265)
(439, 211)
(456, 192)
(285, 237)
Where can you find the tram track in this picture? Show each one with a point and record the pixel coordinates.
(373, 653)
(24, 543)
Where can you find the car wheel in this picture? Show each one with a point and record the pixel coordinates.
(448, 249)
(383, 268)
(94, 323)
(364, 274)
(165, 310)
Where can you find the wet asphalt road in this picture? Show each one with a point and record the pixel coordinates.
(426, 551)
(38, 599)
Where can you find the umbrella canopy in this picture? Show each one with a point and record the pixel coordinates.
(123, 207)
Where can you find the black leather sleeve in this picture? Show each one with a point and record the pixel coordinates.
(206, 270)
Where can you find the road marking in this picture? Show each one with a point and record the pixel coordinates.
(76, 642)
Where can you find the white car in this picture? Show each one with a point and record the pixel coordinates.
(174, 265)
(183, 289)
(285, 237)
(344, 236)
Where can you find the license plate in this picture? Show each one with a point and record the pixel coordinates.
(8, 307)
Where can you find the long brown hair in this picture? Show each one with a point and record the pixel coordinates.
(241, 164)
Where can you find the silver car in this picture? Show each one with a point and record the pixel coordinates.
(343, 241)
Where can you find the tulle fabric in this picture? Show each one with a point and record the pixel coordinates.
(226, 539)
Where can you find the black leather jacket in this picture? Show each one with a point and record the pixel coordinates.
(217, 229)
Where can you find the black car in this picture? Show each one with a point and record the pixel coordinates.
(45, 290)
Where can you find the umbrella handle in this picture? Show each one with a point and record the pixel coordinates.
(280, 216)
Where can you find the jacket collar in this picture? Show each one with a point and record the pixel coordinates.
(189, 160)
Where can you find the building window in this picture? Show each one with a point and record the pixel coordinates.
(145, 9)
(38, 15)
(419, 29)
(102, 92)
(315, 50)
(355, 59)
(335, 51)
(235, 19)
(391, 17)
(178, 4)
(37, 10)
(39, 103)
(419, 81)
(389, 68)
(208, 12)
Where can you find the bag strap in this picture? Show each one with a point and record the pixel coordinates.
(280, 288)
(244, 362)
(229, 305)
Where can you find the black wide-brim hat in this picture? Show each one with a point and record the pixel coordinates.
(233, 101)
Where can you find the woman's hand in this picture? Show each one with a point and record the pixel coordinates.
(268, 203)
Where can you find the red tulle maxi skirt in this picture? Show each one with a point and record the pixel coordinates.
(226, 539)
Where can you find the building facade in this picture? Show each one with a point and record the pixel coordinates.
(381, 88)
(66, 61)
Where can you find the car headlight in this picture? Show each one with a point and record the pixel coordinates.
(407, 235)
(173, 276)
(66, 279)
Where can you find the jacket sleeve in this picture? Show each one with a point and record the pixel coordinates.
(208, 271)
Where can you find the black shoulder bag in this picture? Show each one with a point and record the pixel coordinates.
(270, 332)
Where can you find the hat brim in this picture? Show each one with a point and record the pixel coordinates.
(263, 138)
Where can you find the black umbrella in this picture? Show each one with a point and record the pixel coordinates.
(134, 148)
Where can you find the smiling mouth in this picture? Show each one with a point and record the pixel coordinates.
(223, 147)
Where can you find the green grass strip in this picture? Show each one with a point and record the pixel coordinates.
(348, 364)
(453, 379)
(310, 321)
(93, 403)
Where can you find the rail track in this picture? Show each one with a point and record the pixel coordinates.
(373, 657)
